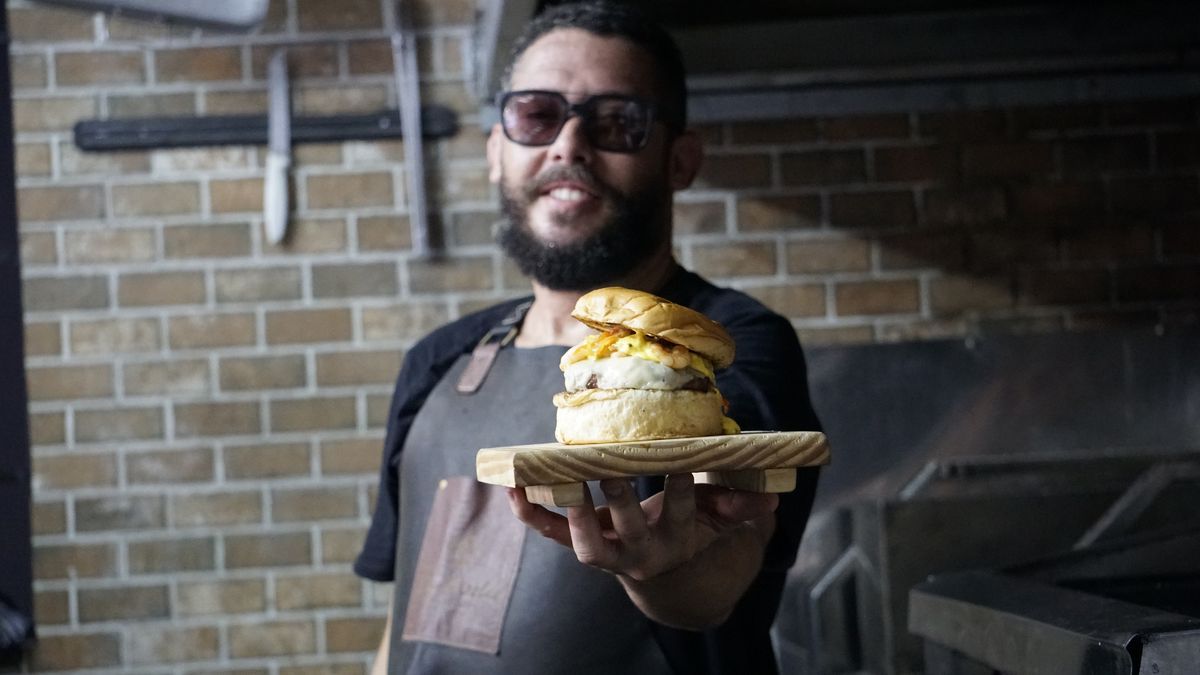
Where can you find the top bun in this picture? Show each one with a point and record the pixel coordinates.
(604, 308)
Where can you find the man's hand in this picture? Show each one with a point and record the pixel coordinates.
(651, 544)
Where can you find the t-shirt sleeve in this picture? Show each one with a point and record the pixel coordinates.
(767, 389)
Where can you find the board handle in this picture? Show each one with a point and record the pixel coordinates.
(751, 480)
(561, 494)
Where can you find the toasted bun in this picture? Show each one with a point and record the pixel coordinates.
(614, 306)
(608, 415)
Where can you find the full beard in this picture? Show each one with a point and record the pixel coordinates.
(634, 229)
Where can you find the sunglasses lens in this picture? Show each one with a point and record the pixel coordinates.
(618, 124)
(533, 118)
(611, 123)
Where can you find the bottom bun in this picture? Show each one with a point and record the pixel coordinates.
(612, 415)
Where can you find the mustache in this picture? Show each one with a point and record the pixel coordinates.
(576, 173)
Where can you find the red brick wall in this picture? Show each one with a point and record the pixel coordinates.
(207, 409)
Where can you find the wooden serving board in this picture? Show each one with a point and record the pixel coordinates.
(554, 473)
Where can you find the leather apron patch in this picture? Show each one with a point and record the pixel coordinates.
(470, 554)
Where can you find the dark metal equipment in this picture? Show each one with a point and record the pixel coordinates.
(850, 609)
(1129, 607)
(983, 622)
(1124, 601)
(998, 454)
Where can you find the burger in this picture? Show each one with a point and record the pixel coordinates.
(649, 373)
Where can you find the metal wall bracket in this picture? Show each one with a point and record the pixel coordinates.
(225, 14)
(500, 22)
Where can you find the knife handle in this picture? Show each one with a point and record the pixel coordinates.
(275, 196)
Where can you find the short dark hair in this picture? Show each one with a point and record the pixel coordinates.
(616, 19)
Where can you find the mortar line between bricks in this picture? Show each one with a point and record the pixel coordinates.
(265, 423)
(918, 196)
(72, 604)
(925, 296)
(56, 174)
(200, 621)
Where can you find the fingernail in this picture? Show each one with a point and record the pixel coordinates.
(612, 488)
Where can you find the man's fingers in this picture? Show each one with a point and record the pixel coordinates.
(547, 523)
(606, 525)
(641, 539)
(679, 502)
(587, 538)
(628, 518)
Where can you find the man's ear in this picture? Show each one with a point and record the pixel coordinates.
(495, 142)
(687, 153)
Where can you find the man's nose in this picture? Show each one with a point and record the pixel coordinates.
(571, 146)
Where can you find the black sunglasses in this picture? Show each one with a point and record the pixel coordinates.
(611, 122)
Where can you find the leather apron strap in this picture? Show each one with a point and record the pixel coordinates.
(484, 355)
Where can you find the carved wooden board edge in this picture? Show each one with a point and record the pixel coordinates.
(554, 463)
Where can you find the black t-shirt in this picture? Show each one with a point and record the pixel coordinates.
(767, 390)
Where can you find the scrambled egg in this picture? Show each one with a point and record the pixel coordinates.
(631, 343)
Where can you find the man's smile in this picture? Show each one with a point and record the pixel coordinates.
(568, 195)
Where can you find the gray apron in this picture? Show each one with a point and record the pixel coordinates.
(476, 591)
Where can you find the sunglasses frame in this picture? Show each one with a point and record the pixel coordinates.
(585, 110)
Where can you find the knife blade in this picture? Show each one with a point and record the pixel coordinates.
(279, 148)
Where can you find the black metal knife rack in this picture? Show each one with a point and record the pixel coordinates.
(174, 132)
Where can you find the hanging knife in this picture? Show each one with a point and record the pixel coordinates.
(279, 149)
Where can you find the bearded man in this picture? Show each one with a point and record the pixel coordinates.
(591, 146)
